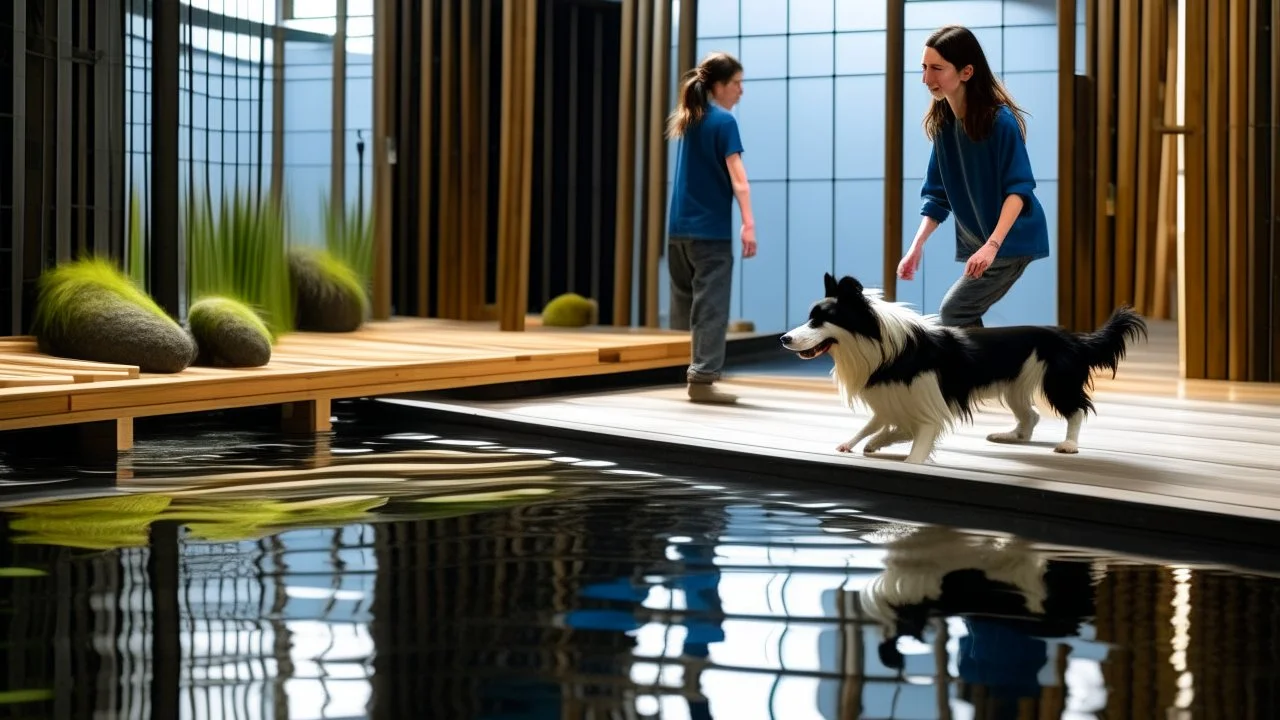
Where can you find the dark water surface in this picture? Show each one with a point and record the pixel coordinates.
(396, 571)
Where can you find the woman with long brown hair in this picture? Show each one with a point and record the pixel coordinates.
(709, 175)
(980, 173)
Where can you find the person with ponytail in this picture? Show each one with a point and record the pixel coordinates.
(978, 171)
(709, 175)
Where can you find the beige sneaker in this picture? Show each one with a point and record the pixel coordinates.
(709, 393)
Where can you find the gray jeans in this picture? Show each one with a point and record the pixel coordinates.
(970, 298)
(701, 283)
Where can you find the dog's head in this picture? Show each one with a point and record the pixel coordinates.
(844, 314)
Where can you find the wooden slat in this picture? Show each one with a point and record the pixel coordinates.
(1215, 237)
(567, 74)
(1151, 42)
(894, 74)
(520, 46)
(1237, 208)
(506, 160)
(1066, 245)
(338, 114)
(447, 241)
(624, 245)
(1084, 227)
(1273, 239)
(482, 175)
(529, 66)
(1127, 130)
(1255, 145)
(1166, 224)
(278, 79)
(659, 93)
(471, 271)
(426, 156)
(1103, 270)
(383, 80)
(1192, 257)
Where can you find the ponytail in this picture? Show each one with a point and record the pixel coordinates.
(692, 104)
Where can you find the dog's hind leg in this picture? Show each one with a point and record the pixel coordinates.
(885, 438)
(1071, 444)
(1020, 404)
(922, 447)
(874, 424)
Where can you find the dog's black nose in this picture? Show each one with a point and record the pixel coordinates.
(786, 339)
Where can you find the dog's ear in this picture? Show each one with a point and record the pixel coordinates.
(829, 281)
(849, 287)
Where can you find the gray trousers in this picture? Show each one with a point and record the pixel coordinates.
(970, 298)
(701, 287)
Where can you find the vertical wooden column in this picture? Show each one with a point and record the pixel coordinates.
(277, 115)
(656, 200)
(519, 62)
(1191, 251)
(447, 241)
(164, 263)
(426, 150)
(473, 131)
(1237, 187)
(338, 120)
(1166, 236)
(19, 169)
(894, 77)
(1066, 160)
(1103, 271)
(624, 232)
(383, 80)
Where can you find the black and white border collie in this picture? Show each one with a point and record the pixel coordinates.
(919, 378)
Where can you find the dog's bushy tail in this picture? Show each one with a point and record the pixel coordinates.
(1106, 347)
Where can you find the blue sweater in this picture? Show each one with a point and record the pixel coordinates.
(971, 181)
(702, 191)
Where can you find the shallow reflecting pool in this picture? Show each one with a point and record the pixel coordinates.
(395, 572)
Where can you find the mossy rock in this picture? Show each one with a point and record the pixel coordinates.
(570, 310)
(90, 310)
(327, 293)
(229, 333)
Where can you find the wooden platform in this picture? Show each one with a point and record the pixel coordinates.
(1199, 445)
(307, 370)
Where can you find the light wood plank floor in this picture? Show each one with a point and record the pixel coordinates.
(399, 355)
(1205, 445)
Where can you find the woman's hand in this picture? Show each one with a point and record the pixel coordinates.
(981, 260)
(910, 261)
(748, 241)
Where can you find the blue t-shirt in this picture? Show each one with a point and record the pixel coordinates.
(701, 192)
(970, 180)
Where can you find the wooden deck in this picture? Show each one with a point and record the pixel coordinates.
(1200, 445)
(307, 370)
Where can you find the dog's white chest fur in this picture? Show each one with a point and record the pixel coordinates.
(909, 405)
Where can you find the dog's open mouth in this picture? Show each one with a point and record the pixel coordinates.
(817, 350)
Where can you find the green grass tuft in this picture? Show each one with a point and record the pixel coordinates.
(136, 259)
(61, 290)
(241, 253)
(350, 240)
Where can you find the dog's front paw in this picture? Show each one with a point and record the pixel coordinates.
(846, 447)
(1068, 447)
(872, 447)
(1008, 437)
